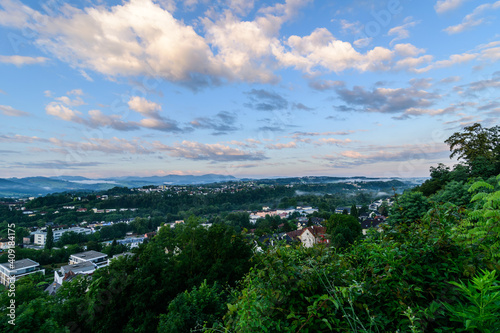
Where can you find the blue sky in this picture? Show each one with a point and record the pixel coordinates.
(241, 87)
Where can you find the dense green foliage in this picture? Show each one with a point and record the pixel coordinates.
(343, 230)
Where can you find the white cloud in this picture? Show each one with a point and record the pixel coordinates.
(22, 60)
(15, 14)
(401, 32)
(214, 152)
(407, 50)
(99, 119)
(63, 112)
(280, 146)
(446, 5)
(241, 7)
(136, 38)
(331, 141)
(363, 42)
(7, 110)
(473, 19)
(144, 107)
(70, 102)
(322, 49)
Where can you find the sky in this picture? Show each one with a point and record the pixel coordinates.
(245, 88)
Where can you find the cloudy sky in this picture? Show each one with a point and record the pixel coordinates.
(246, 88)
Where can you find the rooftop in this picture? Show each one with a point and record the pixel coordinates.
(89, 255)
(20, 264)
(76, 268)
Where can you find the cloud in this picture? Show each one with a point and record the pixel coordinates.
(264, 100)
(142, 37)
(421, 83)
(301, 134)
(353, 28)
(213, 152)
(322, 49)
(450, 79)
(108, 146)
(407, 50)
(124, 40)
(76, 92)
(446, 5)
(222, 123)
(473, 19)
(21, 139)
(98, 119)
(331, 141)
(144, 107)
(279, 146)
(300, 106)
(60, 111)
(56, 164)
(241, 7)
(7, 110)
(385, 100)
(411, 64)
(389, 153)
(489, 106)
(322, 85)
(22, 60)
(471, 89)
(70, 102)
(401, 32)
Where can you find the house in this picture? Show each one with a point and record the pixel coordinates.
(94, 257)
(85, 267)
(40, 237)
(371, 223)
(18, 269)
(124, 254)
(6, 244)
(317, 220)
(310, 236)
(271, 240)
(150, 235)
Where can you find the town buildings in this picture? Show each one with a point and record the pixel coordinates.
(18, 269)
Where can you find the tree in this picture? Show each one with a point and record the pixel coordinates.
(190, 310)
(354, 211)
(383, 209)
(343, 230)
(49, 242)
(478, 147)
(409, 207)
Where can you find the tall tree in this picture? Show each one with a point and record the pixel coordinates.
(49, 242)
(354, 211)
(477, 146)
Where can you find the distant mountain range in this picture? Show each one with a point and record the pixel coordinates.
(38, 186)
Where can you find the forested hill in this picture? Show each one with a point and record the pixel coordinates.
(39, 186)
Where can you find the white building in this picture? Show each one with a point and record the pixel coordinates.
(85, 268)
(41, 236)
(94, 257)
(19, 269)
